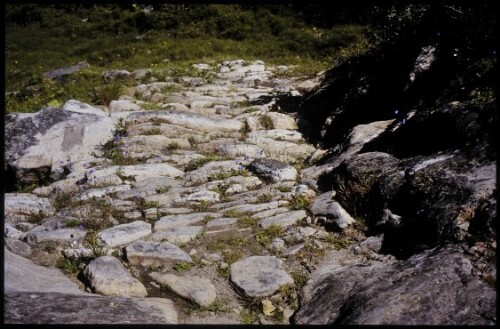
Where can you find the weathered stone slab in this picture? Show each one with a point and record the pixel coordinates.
(196, 289)
(260, 276)
(285, 219)
(22, 274)
(61, 308)
(270, 212)
(193, 121)
(202, 174)
(182, 220)
(149, 253)
(223, 221)
(100, 192)
(249, 150)
(17, 206)
(125, 233)
(177, 235)
(273, 170)
(252, 208)
(18, 247)
(278, 134)
(64, 235)
(107, 276)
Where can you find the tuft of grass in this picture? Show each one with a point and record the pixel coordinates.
(152, 131)
(284, 189)
(161, 190)
(299, 202)
(182, 266)
(246, 221)
(173, 146)
(69, 266)
(249, 316)
(219, 306)
(197, 163)
(192, 141)
(202, 206)
(265, 236)
(266, 122)
(103, 95)
(264, 198)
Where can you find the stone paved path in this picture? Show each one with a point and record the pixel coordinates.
(201, 184)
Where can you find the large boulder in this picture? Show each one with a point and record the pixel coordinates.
(39, 145)
(437, 287)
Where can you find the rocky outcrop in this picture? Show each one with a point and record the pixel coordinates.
(427, 289)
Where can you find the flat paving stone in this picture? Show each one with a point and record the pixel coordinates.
(260, 276)
(150, 253)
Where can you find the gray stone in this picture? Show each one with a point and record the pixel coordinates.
(182, 220)
(208, 196)
(260, 276)
(293, 249)
(283, 150)
(18, 247)
(191, 120)
(113, 75)
(51, 138)
(61, 308)
(270, 213)
(123, 234)
(100, 192)
(22, 275)
(278, 134)
(177, 235)
(202, 174)
(65, 235)
(437, 287)
(19, 206)
(107, 276)
(252, 208)
(149, 253)
(12, 232)
(285, 219)
(325, 206)
(196, 289)
(59, 74)
(249, 150)
(123, 106)
(277, 244)
(223, 221)
(273, 170)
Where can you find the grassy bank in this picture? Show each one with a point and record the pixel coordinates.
(166, 39)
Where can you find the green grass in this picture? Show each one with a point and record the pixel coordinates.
(168, 41)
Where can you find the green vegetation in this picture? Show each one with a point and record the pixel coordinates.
(265, 236)
(299, 202)
(197, 163)
(266, 122)
(166, 40)
(179, 267)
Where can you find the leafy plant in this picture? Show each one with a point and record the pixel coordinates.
(182, 266)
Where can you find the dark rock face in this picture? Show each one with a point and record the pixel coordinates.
(435, 287)
(427, 181)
